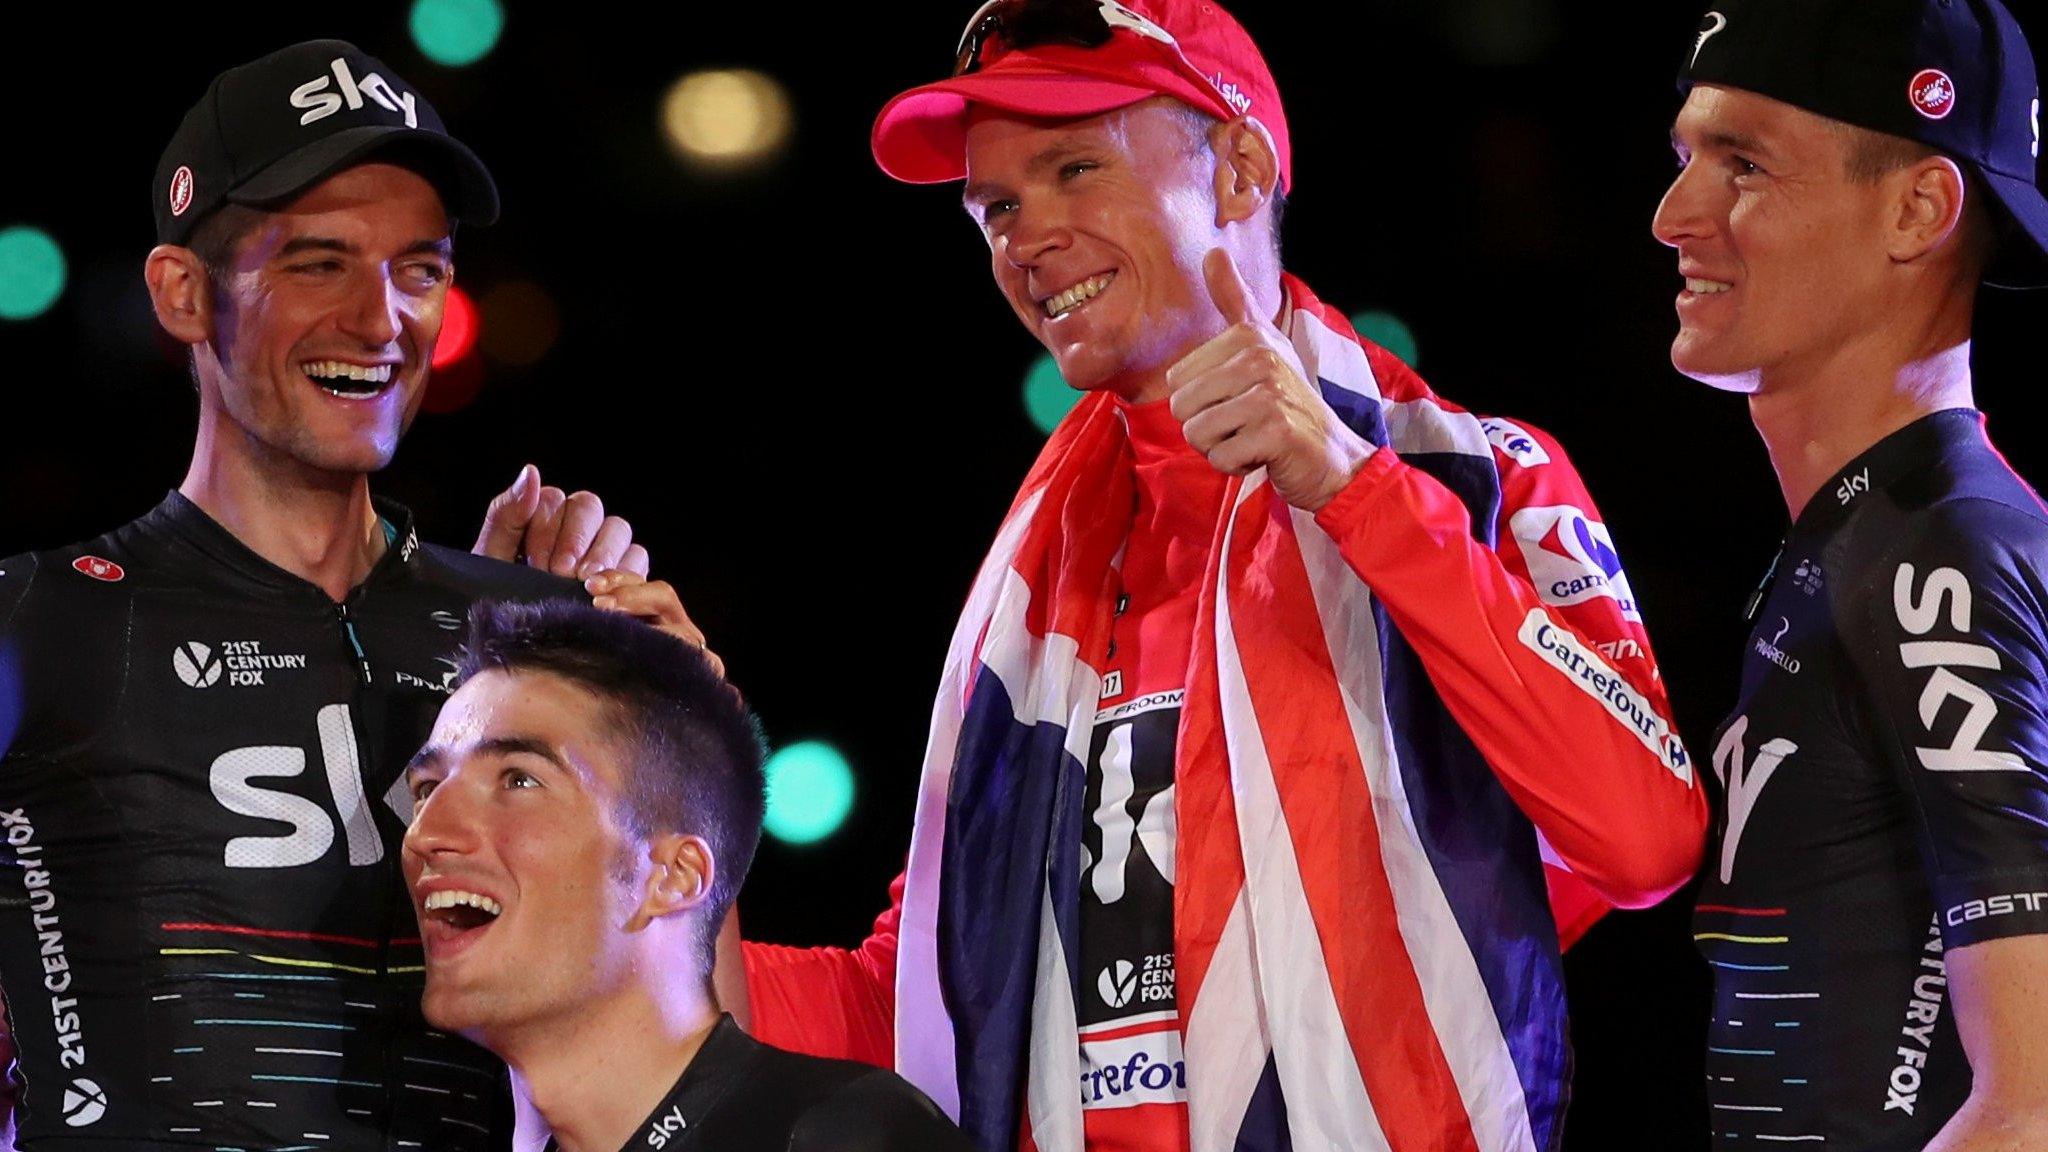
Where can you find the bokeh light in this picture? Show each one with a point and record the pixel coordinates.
(520, 322)
(31, 272)
(726, 118)
(458, 329)
(810, 792)
(1047, 397)
(1390, 332)
(456, 33)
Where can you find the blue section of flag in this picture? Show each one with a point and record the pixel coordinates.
(1481, 847)
(1015, 794)
(1265, 1118)
(1485, 856)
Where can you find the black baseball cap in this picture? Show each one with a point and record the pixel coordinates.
(267, 130)
(1955, 75)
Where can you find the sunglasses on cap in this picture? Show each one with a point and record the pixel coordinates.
(1016, 24)
(1002, 26)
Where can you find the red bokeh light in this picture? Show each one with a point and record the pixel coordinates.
(459, 329)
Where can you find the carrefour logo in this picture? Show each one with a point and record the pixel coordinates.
(1571, 558)
(1596, 679)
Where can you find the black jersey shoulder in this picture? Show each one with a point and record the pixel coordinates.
(1945, 617)
(766, 1098)
(481, 577)
(17, 577)
(876, 1111)
(65, 616)
(1934, 495)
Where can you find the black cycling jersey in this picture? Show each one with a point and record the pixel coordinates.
(205, 941)
(740, 1095)
(1886, 797)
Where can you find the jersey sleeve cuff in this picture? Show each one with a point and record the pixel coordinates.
(1355, 498)
(1992, 906)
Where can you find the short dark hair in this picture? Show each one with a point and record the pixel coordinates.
(697, 752)
(1198, 124)
(1869, 156)
(215, 239)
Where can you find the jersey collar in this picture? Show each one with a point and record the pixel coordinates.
(179, 517)
(719, 1063)
(1890, 466)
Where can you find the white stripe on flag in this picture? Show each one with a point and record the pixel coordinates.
(1327, 356)
(1423, 426)
(1452, 989)
(1420, 425)
(924, 1034)
(1225, 1047)
(1053, 1092)
(1327, 1106)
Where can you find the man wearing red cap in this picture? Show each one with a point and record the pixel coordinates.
(1281, 683)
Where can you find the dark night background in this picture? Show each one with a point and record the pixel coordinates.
(802, 389)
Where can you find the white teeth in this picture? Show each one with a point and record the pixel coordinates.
(1706, 287)
(450, 899)
(342, 370)
(1079, 294)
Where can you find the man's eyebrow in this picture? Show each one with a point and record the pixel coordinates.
(527, 745)
(300, 244)
(1049, 156)
(1726, 140)
(431, 757)
(443, 247)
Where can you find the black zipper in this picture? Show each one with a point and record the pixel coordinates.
(348, 632)
(1763, 588)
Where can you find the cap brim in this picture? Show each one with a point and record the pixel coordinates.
(464, 182)
(2022, 262)
(921, 135)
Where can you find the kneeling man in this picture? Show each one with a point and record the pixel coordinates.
(585, 811)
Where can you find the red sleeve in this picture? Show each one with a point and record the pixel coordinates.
(1540, 654)
(836, 1002)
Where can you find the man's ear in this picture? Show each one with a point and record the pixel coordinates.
(1927, 211)
(1247, 168)
(680, 877)
(181, 292)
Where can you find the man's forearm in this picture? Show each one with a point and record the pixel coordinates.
(1983, 1125)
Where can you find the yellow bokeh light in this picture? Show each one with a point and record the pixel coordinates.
(726, 118)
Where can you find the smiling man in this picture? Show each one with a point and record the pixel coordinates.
(585, 810)
(205, 940)
(1877, 912)
(1281, 683)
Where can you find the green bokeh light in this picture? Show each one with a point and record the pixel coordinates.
(31, 272)
(1390, 332)
(1047, 399)
(457, 32)
(810, 792)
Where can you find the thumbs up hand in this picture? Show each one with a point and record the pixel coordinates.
(1244, 402)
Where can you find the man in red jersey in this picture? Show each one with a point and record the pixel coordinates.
(1282, 680)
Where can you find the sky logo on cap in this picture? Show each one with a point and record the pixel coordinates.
(181, 190)
(320, 103)
(1933, 94)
